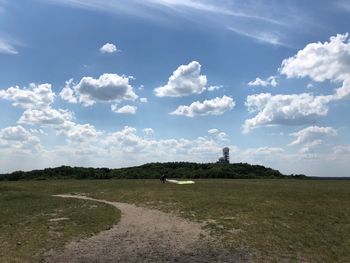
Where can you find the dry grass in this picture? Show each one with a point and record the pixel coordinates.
(32, 223)
(274, 220)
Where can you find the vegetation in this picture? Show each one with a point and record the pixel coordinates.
(32, 222)
(152, 171)
(273, 220)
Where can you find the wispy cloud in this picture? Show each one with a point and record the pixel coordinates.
(253, 19)
(343, 5)
(7, 48)
(215, 9)
(263, 37)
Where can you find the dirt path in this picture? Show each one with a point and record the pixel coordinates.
(144, 235)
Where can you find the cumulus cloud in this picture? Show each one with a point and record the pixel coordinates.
(67, 92)
(37, 101)
(292, 109)
(260, 155)
(107, 88)
(35, 96)
(125, 109)
(144, 100)
(15, 133)
(80, 132)
(217, 106)
(184, 81)
(310, 138)
(312, 133)
(62, 122)
(340, 152)
(323, 61)
(17, 137)
(108, 48)
(215, 87)
(148, 131)
(217, 134)
(309, 147)
(270, 81)
(310, 86)
(264, 151)
(318, 61)
(45, 116)
(213, 131)
(127, 141)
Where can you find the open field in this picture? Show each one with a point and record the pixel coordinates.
(32, 223)
(272, 220)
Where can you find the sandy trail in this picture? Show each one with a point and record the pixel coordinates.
(144, 235)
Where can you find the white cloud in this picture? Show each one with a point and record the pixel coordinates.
(143, 100)
(340, 153)
(107, 88)
(184, 81)
(217, 134)
(207, 8)
(67, 92)
(36, 96)
(6, 47)
(215, 106)
(292, 109)
(308, 148)
(265, 150)
(213, 131)
(260, 36)
(46, 116)
(310, 86)
(215, 87)
(311, 134)
(125, 109)
(80, 133)
(261, 155)
(270, 81)
(126, 142)
(108, 48)
(148, 131)
(318, 61)
(17, 137)
(37, 100)
(15, 133)
(323, 61)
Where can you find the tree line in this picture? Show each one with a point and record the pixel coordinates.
(180, 170)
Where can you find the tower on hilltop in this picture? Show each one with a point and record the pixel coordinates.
(225, 156)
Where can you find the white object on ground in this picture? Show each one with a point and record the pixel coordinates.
(179, 182)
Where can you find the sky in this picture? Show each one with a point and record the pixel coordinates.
(102, 83)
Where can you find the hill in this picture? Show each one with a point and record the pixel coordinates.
(152, 171)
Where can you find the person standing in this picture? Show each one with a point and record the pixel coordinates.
(163, 178)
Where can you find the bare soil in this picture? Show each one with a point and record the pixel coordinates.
(145, 235)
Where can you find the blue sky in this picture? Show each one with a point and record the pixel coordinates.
(120, 83)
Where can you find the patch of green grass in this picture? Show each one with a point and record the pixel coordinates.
(32, 222)
(274, 220)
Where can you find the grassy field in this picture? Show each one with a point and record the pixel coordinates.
(274, 220)
(32, 222)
